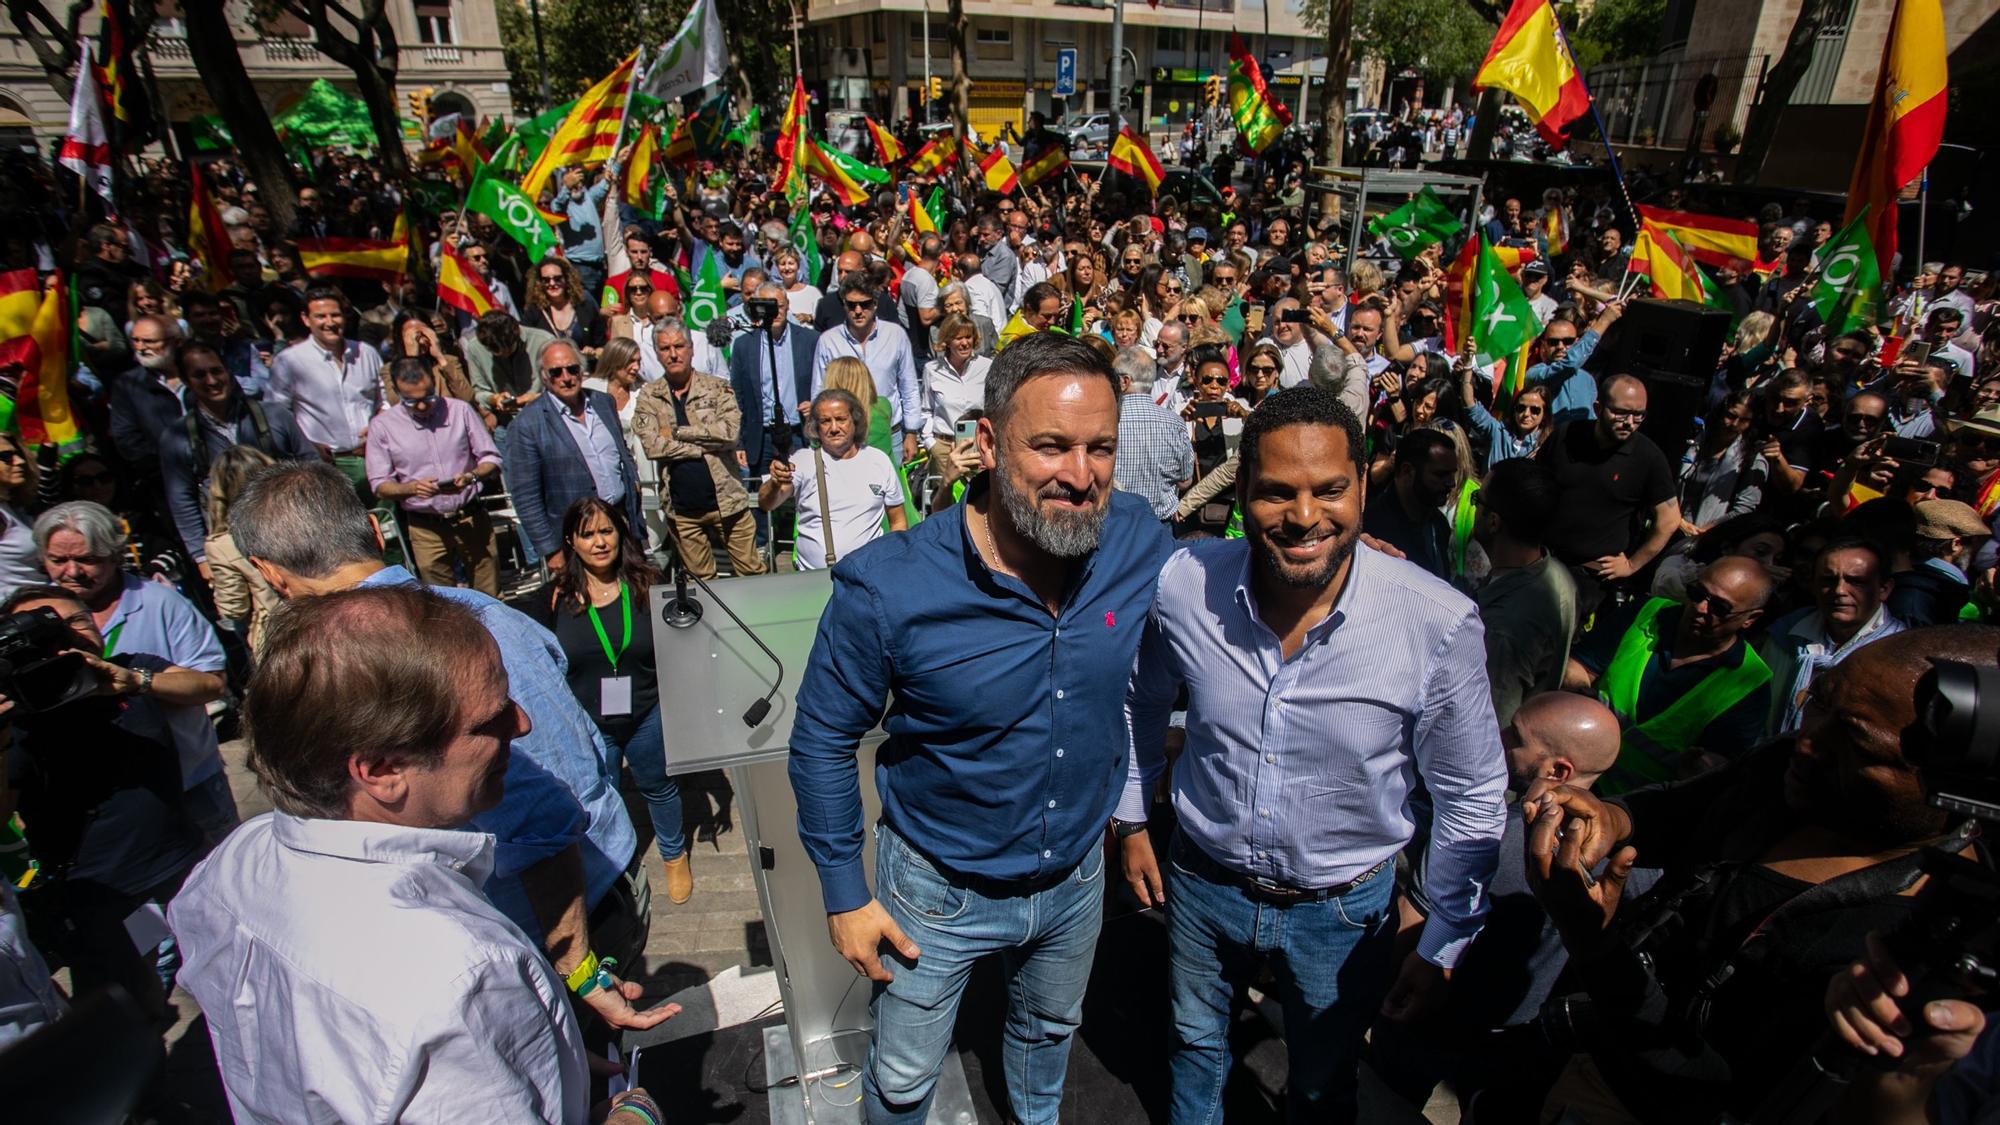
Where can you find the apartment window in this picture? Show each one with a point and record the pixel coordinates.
(996, 37)
(1170, 39)
(940, 31)
(434, 23)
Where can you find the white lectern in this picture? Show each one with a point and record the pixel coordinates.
(712, 670)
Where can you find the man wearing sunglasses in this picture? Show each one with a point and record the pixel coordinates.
(429, 453)
(1681, 677)
(1559, 355)
(883, 348)
(565, 445)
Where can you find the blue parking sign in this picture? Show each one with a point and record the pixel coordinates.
(1065, 72)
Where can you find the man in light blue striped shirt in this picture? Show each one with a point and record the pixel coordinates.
(1322, 682)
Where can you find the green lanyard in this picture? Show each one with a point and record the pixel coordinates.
(111, 639)
(625, 611)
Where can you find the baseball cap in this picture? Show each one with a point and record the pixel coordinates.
(1197, 234)
(1537, 267)
(1949, 519)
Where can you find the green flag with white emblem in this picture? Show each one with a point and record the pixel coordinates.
(1848, 290)
(1502, 321)
(704, 303)
(514, 213)
(1422, 221)
(805, 239)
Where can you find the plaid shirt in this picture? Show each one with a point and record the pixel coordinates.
(1154, 453)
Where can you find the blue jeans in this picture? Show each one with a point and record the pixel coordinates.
(1045, 940)
(1332, 963)
(646, 753)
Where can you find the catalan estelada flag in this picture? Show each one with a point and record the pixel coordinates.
(1530, 60)
(994, 168)
(1044, 164)
(461, 288)
(206, 238)
(938, 153)
(1259, 117)
(887, 148)
(1729, 244)
(589, 135)
(1130, 155)
(369, 259)
(1905, 122)
(40, 408)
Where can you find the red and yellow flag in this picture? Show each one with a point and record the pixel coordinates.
(844, 187)
(462, 288)
(937, 154)
(680, 146)
(35, 333)
(920, 217)
(1729, 244)
(791, 132)
(887, 147)
(1530, 60)
(994, 168)
(1044, 164)
(1130, 155)
(369, 259)
(589, 135)
(1459, 294)
(640, 167)
(1667, 264)
(1905, 121)
(206, 239)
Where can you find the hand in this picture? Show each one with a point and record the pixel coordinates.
(909, 447)
(1142, 868)
(1389, 549)
(1580, 905)
(858, 936)
(1861, 1005)
(1608, 316)
(1611, 568)
(1689, 529)
(781, 473)
(118, 680)
(613, 1005)
(1187, 411)
(1237, 409)
(1772, 451)
(1419, 992)
(1388, 382)
(423, 489)
(742, 459)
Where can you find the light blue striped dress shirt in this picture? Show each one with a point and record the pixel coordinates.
(1300, 771)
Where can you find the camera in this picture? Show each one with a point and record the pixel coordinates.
(1295, 316)
(761, 310)
(37, 669)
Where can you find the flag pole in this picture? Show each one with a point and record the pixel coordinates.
(1610, 153)
(1923, 212)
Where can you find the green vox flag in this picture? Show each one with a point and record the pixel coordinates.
(514, 213)
(1848, 293)
(935, 207)
(1416, 224)
(861, 171)
(1502, 319)
(746, 131)
(210, 134)
(434, 197)
(805, 239)
(507, 158)
(704, 304)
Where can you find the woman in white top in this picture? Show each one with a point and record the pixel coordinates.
(20, 563)
(803, 298)
(862, 485)
(618, 375)
(954, 382)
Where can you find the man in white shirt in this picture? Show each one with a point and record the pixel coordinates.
(1170, 350)
(884, 348)
(1295, 352)
(861, 485)
(987, 300)
(331, 384)
(407, 995)
(920, 297)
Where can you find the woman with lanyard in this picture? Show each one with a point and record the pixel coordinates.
(596, 607)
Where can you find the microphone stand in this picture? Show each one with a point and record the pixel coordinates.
(682, 612)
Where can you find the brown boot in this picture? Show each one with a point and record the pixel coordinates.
(680, 879)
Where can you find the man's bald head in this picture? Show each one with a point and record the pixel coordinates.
(1568, 738)
(861, 242)
(662, 304)
(849, 261)
(1726, 598)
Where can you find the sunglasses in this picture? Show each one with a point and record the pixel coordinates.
(1190, 318)
(1699, 595)
(1263, 369)
(9, 456)
(1176, 289)
(1215, 380)
(859, 304)
(564, 369)
(554, 280)
(1558, 341)
(638, 291)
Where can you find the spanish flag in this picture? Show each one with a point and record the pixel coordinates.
(792, 131)
(1530, 60)
(1670, 267)
(1259, 117)
(1905, 121)
(680, 146)
(837, 179)
(887, 147)
(461, 288)
(920, 218)
(937, 154)
(35, 333)
(994, 168)
(206, 238)
(1729, 244)
(589, 135)
(1044, 164)
(640, 167)
(368, 259)
(1130, 155)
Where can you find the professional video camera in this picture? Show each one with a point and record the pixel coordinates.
(38, 672)
(763, 311)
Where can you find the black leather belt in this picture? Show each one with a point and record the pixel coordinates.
(1189, 855)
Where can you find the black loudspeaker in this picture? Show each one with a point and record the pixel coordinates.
(1675, 346)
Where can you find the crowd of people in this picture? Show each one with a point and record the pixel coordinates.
(1502, 746)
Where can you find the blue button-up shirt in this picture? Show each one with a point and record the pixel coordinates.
(1573, 390)
(1007, 737)
(767, 349)
(1300, 771)
(559, 790)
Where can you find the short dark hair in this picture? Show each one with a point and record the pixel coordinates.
(1041, 353)
(375, 672)
(409, 370)
(1870, 547)
(1038, 292)
(323, 293)
(1524, 493)
(199, 299)
(498, 332)
(1417, 446)
(856, 283)
(1305, 405)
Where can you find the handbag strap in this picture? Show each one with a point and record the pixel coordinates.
(825, 515)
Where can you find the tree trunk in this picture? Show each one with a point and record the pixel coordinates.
(961, 100)
(1333, 94)
(212, 46)
(373, 55)
(1779, 83)
(378, 91)
(1487, 123)
(54, 43)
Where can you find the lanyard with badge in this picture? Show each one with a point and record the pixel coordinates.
(615, 691)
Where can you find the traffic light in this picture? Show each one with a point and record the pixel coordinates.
(1212, 89)
(420, 105)
(937, 87)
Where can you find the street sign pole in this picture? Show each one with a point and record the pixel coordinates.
(1117, 64)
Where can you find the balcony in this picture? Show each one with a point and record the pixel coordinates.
(442, 55)
(283, 49)
(169, 48)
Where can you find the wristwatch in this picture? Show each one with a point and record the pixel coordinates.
(1125, 829)
(145, 681)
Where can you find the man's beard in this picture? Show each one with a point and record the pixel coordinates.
(158, 361)
(1303, 576)
(1068, 535)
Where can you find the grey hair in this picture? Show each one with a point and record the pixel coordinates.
(303, 517)
(541, 357)
(769, 289)
(102, 532)
(855, 413)
(668, 324)
(949, 288)
(168, 326)
(1137, 369)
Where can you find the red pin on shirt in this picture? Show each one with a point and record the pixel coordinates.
(1110, 620)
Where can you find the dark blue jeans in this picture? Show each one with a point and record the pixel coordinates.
(646, 753)
(1332, 963)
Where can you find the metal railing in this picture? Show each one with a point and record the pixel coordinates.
(442, 56)
(280, 48)
(1653, 102)
(172, 48)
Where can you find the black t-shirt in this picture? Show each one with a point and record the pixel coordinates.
(588, 666)
(1425, 539)
(689, 485)
(1801, 443)
(100, 790)
(1607, 494)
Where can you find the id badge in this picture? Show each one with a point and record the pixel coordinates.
(615, 696)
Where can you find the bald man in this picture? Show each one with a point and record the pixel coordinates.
(1512, 966)
(1687, 688)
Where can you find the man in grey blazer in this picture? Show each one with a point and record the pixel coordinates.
(565, 445)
